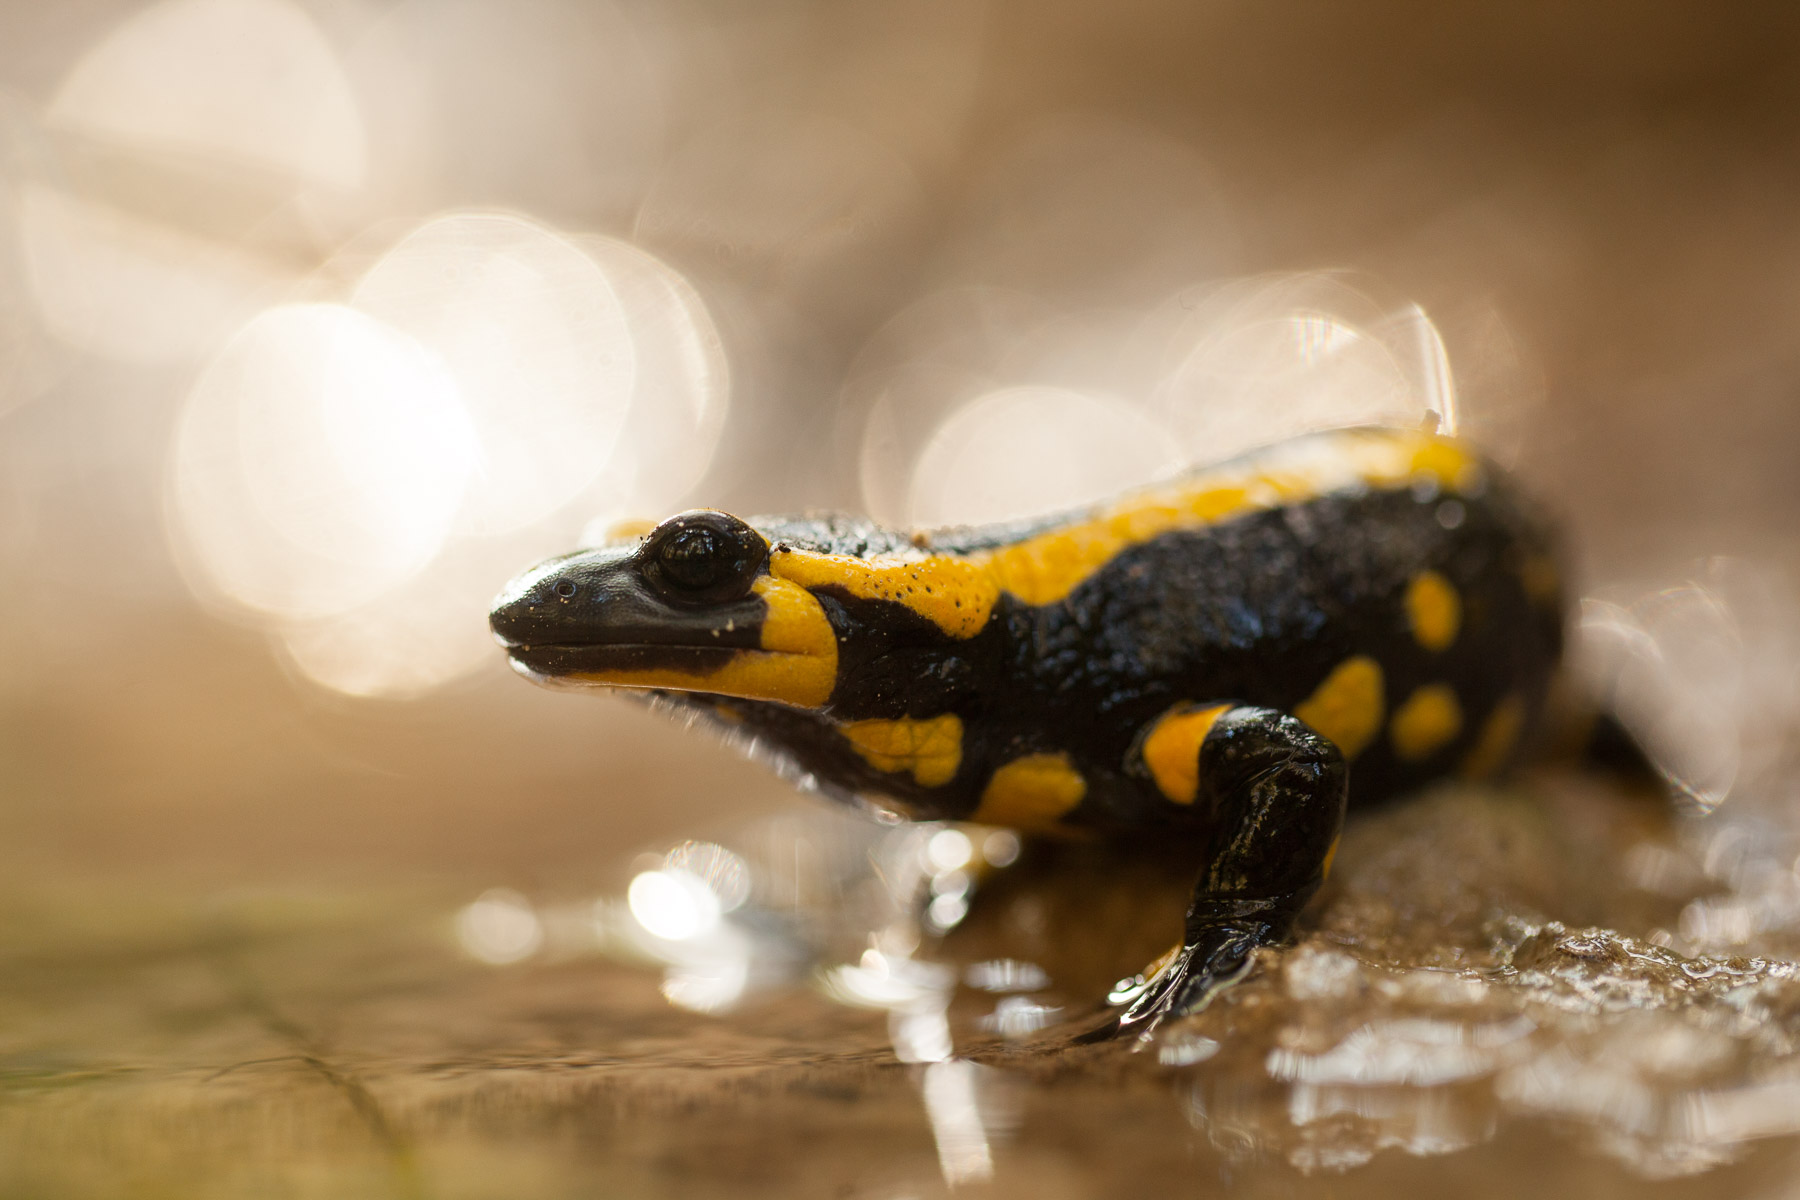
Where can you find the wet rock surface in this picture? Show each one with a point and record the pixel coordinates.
(1493, 982)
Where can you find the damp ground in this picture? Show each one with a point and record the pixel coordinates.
(1552, 982)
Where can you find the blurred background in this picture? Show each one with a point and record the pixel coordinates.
(320, 318)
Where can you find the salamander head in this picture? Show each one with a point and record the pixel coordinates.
(690, 607)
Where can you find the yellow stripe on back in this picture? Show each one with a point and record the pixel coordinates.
(954, 594)
(1046, 568)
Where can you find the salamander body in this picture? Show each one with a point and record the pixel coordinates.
(1225, 659)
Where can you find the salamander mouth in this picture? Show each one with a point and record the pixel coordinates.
(624, 659)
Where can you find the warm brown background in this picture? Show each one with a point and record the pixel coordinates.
(1619, 183)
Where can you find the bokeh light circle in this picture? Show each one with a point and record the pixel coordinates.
(538, 343)
(682, 388)
(1022, 451)
(1254, 361)
(320, 461)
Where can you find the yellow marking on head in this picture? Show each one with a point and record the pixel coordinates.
(1046, 568)
(1347, 708)
(1498, 737)
(1434, 610)
(1172, 749)
(1428, 720)
(797, 663)
(955, 594)
(931, 748)
(1330, 857)
(1031, 793)
(1541, 580)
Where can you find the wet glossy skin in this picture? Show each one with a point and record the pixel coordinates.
(1225, 659)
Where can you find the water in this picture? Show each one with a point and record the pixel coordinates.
(1496, 985)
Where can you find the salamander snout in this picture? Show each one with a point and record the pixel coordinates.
(554, 601)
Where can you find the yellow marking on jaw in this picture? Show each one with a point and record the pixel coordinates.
(1046, 568)
(1348, 706)
(1330, 857)
(1171, 750)
(931, 749)
(1499, 735)
(1031, 793)
(1428, 720)
(797, 663)
(1434, 610)
(955, 594)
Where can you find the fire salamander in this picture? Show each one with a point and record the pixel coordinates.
(1224, 660)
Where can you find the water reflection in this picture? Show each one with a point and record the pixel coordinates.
(500, 927)
(839, 902)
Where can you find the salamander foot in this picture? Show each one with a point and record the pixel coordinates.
(1181, 983)
(1276, 791)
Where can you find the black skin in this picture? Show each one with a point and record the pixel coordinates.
(1275, 792)
(1253, 612)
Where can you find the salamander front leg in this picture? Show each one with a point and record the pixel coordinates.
(1275, 792)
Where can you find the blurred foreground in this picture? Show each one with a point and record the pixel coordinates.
(1458, 1007)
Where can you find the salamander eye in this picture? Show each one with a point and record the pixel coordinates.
(703, 556)
(691, 559)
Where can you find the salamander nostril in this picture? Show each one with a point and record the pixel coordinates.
(565, 588)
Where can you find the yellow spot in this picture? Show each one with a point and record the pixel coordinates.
(1434, 610)
(1330, 857)
(955, 594)
(1450, 463)
(1499, 735)
(1046, 568)
(1540, 579)
(931, 749)
(1429, 718)
(1347, 708)
(1031, 792)
(1172, 749)
(797, 663)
